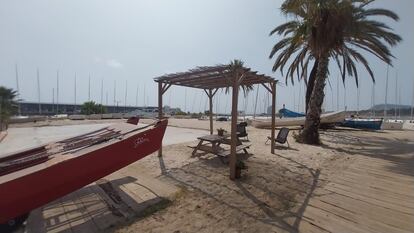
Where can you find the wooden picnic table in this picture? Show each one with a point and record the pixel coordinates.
(211, 144)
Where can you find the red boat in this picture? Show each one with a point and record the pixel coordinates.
(35, 177)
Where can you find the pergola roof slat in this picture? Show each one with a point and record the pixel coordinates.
(207, 77)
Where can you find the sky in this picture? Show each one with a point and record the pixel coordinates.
(130, 42)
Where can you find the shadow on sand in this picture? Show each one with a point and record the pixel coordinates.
(281, 202)
(270, 201)
(398, 151)
(94, 208)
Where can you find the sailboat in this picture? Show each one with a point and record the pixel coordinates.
(326, 119)
(393, 124)
(409, 124)
(362, 123)
(35, 177)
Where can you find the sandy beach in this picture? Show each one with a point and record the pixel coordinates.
(352, 183)
(274, 193)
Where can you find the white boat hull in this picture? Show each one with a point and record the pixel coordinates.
(328, 118)
(392, 125)
(408, 125)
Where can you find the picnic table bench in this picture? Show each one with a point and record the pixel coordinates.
(211, 144)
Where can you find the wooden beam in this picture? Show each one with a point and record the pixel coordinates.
(219, 81)
(241, 78)
(205, 90)
(160, 92)
(215, 91)
(201, 77)
(210, 97)
(192, 73)
(165, 87)
(272, 147)
(269, 89)
(233, 144)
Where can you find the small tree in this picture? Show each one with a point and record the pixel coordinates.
(90, 107)
(8, 105)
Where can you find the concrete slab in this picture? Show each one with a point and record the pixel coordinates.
(24, 138)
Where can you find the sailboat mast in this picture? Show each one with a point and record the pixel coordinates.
(53, 99)
(57, 92)
(386, 94)
(18, 90)
(345, 108)
(337, 94)
(396, 95)
(358, 91)
(136, 97)
(38, 91)
(373, 99)
(75, 92)
(114, 109)
(89, 88)
(255, 103)
(412, 103)
(126, 93)
(114, 92)
(399, 102)
(145, 103)
(102, 84)
(106, 98)
(185, 100)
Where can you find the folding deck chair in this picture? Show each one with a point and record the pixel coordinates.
(241, 130)
(281, 136)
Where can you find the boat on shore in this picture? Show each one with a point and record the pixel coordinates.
(35, 177)
(284, 112)
(392, 124)
(359, 123)
(408, 125)
(327, 119)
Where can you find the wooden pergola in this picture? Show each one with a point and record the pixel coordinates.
(212, 78)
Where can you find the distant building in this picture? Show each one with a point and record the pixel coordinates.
(32, 108)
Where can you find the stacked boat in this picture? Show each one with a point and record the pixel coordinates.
(326, 119)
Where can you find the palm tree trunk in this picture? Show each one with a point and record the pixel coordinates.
(310, 133)
(311, 84)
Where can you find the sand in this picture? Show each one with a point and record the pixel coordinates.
(274, 191)
(267, 198)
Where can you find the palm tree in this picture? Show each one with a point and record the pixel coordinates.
(324, 30)
(8, 105)
(236, 67)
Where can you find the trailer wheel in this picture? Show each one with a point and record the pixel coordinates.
(13, 224)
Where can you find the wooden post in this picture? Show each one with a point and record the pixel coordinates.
(160, 92)
(234, 103)
(210, 97)
(273, 88)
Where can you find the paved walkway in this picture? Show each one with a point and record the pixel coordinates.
(375, 194)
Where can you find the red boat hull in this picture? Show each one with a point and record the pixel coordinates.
(21, 195)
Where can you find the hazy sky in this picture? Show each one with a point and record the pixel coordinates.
(134, 41)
